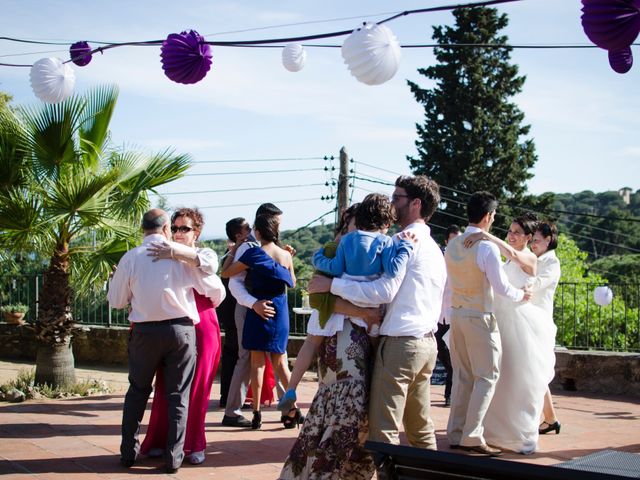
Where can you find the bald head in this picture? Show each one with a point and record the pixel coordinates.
(154, 221)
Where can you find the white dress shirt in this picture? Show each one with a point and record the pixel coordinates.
(160, 290)
(236, 283)
(489, 262)
(414, 295)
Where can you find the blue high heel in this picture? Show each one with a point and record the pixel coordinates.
(288, 401)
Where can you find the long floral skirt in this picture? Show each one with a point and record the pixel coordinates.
(330, 444)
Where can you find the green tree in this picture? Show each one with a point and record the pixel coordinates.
(67, 193)
(473, 137)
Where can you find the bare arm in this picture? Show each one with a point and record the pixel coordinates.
(526, 260)
(370, 315)
(233, 269)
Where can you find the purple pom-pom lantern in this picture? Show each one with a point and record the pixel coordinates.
(80, 53)
(621, 61)
(611, 24)
(185, 57)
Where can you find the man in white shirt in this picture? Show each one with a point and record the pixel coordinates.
(241, 374)
(474, 275)
(162, 313)
(406, 354)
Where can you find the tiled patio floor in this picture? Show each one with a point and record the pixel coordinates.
(79, 438)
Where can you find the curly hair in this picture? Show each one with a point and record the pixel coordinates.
(424, 189)
(375, 212)
(193, 213)
(345, 218)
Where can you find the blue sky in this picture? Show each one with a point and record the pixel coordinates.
(582, 114)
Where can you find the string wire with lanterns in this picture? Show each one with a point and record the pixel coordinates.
(371, 52)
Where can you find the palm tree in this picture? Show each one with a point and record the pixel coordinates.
(68, 193)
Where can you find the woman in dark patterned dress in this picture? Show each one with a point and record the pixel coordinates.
(330, 444)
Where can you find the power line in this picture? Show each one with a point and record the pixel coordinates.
(249, 160)
(244, 189)
(259, 172)
(259, 203)
(314, 220)
(604, 242)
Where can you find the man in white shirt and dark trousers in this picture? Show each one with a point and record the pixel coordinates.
(162, 313)
(474, 275)
(406, 354)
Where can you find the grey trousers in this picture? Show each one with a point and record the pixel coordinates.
(242, 372)
(172, 345)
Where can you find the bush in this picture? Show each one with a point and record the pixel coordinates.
(25, 382)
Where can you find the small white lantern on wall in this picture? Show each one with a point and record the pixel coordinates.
(52, 81)
(372, 54)
(294, 57)
(603, 296)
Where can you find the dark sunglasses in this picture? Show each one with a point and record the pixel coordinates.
(182, 229)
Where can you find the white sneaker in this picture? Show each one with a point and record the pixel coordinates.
(196, 458)
(155, 453)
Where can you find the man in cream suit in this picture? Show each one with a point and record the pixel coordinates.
(474, 274)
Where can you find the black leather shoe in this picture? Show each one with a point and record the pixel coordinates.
(169, 469)
(546, 427)
(126, 462)
(238, 421)
(483, 449)
(447, 401)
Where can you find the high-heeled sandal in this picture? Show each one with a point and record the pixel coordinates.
(295, 421)
(550, 427)
(256, 421)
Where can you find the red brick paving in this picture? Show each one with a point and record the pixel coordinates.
(79, 438)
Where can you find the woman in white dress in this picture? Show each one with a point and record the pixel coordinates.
(545, 240)
(527, 364)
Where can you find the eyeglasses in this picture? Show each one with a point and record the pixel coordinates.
(182, 229)
(397, 196)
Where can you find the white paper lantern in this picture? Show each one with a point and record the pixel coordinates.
(372, 54)
(52, 81)
(294, 57)
(603, 296)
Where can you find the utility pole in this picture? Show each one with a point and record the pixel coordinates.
(343, 182)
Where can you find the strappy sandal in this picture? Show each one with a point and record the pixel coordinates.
(295, 421)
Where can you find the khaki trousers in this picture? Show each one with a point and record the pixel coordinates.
(400, 390)
(475, 357)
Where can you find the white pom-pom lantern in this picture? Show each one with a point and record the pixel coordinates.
(372, 54)
(294, 57)
(52, 81)
(603, 296)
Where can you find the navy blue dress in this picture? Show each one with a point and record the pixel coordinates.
(269, 281)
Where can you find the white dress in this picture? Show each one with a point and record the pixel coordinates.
(526, 368)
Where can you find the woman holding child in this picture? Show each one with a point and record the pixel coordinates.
(332, 437)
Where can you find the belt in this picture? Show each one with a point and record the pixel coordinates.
(426, 335)
(170, 321)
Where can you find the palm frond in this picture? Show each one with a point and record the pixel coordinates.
(51, 135)
(94, 124)
(22, 226)
(13, 155)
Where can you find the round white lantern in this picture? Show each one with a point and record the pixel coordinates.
(52, 81)
(294, 57)
(372, 54)
(603, 296)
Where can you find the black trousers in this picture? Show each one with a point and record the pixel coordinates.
(172, 345)
(444, 356)
(226, 316)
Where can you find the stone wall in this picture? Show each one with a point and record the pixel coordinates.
(602, 372)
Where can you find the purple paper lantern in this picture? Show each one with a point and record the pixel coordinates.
(611, 24)
(80, 53)
(185, 57)
(621, 60)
